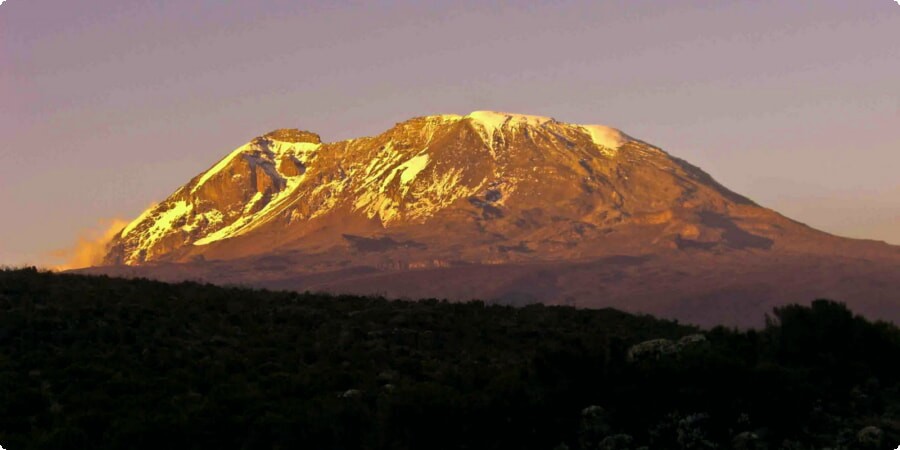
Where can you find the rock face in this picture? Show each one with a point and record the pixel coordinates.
(222, 201)
(499, 206)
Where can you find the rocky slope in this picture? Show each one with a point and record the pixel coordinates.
(499, 206)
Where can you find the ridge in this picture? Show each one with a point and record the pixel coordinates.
(293, 135)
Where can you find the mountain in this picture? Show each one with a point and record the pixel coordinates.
(506, 207)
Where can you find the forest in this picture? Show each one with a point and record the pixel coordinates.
(108, 363)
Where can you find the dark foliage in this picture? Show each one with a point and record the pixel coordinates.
(101, 363)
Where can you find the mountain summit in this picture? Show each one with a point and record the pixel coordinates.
(500, 206)
(510, 183)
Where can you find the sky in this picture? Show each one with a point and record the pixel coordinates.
(107, 106)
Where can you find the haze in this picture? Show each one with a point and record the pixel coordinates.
(107, 106)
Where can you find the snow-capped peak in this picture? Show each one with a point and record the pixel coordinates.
(493, 120)
(406, 175)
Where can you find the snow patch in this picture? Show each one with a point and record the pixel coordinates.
(224, 233)
(412, 168)
(493, 121)
(407, 171)
(381, 164)
(163, 223)
(253, 201)
(134, 223)
(607, 137)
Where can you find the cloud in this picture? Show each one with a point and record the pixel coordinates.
(91, 246)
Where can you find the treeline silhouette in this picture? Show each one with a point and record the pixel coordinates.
(106, 363)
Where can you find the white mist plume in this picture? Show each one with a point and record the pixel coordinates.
(91, 245)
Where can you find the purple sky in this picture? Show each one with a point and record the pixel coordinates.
(109, 105)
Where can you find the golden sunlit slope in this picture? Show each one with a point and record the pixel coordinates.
(446, 205)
